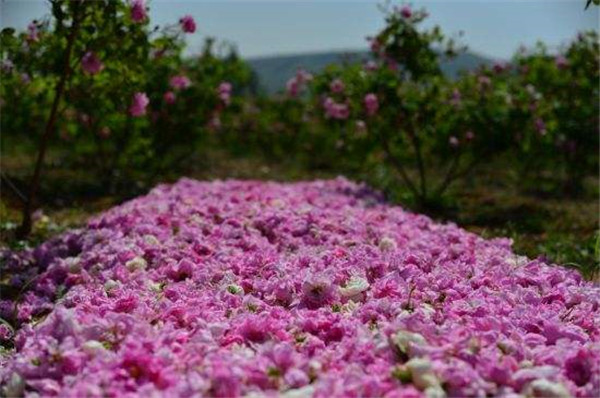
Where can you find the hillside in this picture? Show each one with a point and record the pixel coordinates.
(274, 71)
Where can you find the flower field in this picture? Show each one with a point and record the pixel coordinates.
(300, 289)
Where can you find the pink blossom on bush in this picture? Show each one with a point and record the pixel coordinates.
(561, 61)
(188, 25)
(138, 105)
(295, 84)
(337, 86)
(104, 132)
(453, 141)
(169, 97)
(406, 12)
(32, 32)
(540, 126)
(138, 10)
(371, 66)
(335, 110)
(484, 82)
(224, 91)
(179, 82)
(7, 65)
(91, 64)
(456, 98)
(371, 104)
(292, 87)
(25, 78)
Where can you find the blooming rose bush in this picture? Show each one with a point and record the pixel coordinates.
(308, 289)
(134, 108)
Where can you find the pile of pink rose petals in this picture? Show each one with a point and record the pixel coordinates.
(247, 288)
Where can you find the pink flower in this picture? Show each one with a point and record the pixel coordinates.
(336, 86)
(371, 104)
(374, 44)
(253, 329)
(303, 76)
(578, 367)
(295, 84)
(334, 110)
(180, 82)
(484, 81)
(91, 64)
(32, 32)
(139, 104)
(540, 126)
(455, 100)
(561, 62)
(317, 291)
(188, 24)
(138, 10)
(406, 12)
(292, 87)
(469, 135)
(141, 366)
(224, 91)
(500, 67)
(370, 66)
(104, 132)
(169, 97)
(126, 304)
(453, 141)
(7, 65)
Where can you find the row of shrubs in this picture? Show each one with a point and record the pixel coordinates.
(399, 114)
(134, 108)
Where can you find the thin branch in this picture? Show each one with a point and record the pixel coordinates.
(448, 178)
(25, 227)
(13, 187)
(398, 165)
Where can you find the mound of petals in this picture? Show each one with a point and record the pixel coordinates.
(308, 289)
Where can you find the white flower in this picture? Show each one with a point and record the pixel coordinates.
(303, 392)
(435, 392)
(387, 244)
(110, 285)
(155, 286)
(151, 240)
(15, 386)
(92, 346)
(136, 263)
(73, 264)
(355, 286)
(546, 389)
(402, 340)
(422, 374)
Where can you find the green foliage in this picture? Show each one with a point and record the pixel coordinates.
(421, 131)
(95, 127)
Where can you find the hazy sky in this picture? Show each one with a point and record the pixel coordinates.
(260, 27)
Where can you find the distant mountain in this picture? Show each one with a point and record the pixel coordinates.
(274, 71)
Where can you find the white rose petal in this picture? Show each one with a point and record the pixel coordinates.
(546, 389)
(92, 346)
(387, 244)
(136, 263)
(422, 373)
(110, 285)
(402, 340)
(355, 286)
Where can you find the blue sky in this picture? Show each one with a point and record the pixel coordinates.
(492, 27)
